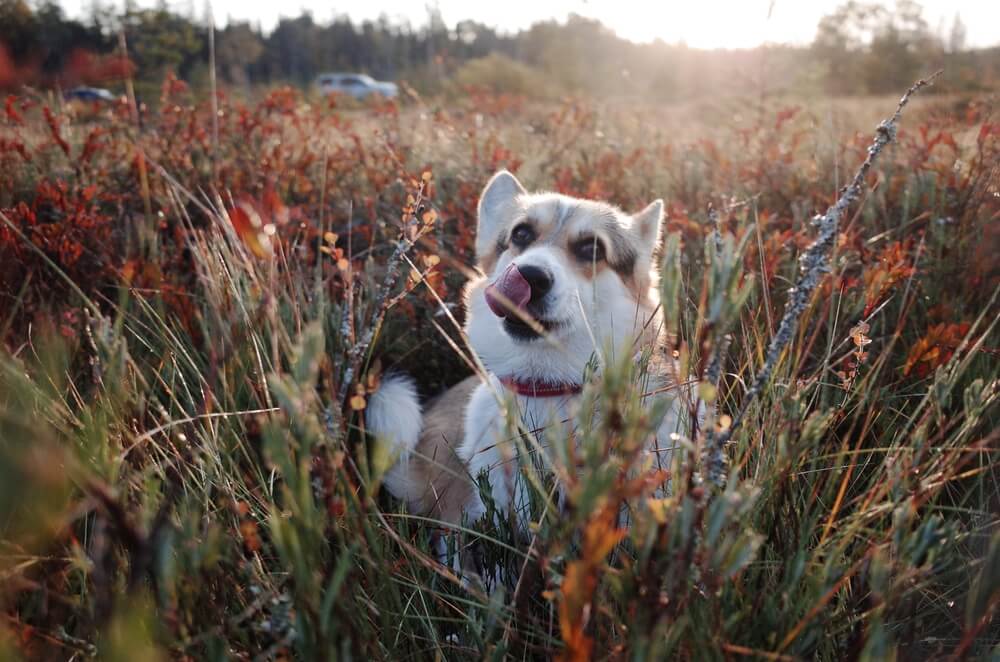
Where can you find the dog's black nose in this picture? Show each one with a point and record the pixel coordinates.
(539, 279)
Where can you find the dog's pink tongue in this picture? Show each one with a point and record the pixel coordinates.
(510, 289)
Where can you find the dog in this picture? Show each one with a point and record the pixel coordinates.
(563, 280)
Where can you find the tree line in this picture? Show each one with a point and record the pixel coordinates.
(860, 48)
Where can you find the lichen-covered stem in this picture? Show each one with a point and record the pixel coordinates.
(814, 263)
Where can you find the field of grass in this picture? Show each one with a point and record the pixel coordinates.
(196, 303)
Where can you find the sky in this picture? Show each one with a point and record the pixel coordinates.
(698, 23)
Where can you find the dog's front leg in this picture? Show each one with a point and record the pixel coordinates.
(484, 452)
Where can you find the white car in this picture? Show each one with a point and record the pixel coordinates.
(358, 86)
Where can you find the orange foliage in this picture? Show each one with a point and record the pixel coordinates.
(83, 66)
(935, 349)
(893, 266)
(580, 582)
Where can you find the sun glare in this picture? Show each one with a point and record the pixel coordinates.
(710, 23)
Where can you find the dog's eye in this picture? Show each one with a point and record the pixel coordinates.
(590, 249)
(522, 235)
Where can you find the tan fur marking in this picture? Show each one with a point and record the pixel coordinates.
(435, 464)
(596, 225)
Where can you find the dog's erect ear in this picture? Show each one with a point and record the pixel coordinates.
(646, 227)
(497, 207)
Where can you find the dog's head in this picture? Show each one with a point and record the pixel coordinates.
(563, 278)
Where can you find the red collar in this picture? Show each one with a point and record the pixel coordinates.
(540, 389)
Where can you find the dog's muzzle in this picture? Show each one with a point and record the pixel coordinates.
(511, 291)
(516, 288)
(521, 290)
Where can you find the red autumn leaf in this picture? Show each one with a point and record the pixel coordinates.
(251, 230)
(935, 349)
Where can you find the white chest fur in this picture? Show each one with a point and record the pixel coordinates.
(491, 443)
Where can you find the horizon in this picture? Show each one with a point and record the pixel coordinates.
(749, 24)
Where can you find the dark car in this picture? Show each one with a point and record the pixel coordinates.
(90, 94)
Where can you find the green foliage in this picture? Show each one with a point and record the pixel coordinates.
(502, 75)
(867, 42)
(159, 41)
